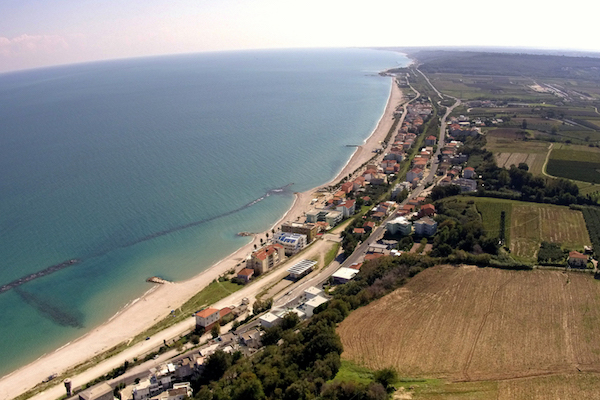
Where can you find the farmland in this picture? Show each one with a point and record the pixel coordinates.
(486, 325)
(580, 165)
(528, 224)
(509, 149)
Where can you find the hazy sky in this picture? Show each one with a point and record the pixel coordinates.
(35, 33)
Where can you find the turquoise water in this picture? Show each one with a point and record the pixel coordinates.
(118, 164)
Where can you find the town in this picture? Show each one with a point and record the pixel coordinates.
(433, 192)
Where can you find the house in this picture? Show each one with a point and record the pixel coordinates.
(359, 231)
(251, 338)
(414, 173)
(427, 210)
(468, 172)
(311, 292)
(291, 242)
(430, 140)
(369, 226)
(180, 391)
(266, 258)
(347, 208)
(373, 256)
(577, 260)
(207, 317)
(245, 274)
(347, 187)
(102, 391)
(425, 227)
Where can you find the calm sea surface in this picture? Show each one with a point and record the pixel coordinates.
(143, 167)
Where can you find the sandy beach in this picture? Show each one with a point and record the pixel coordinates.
(158, 302)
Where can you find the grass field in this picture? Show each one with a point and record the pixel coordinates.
(482, 324)
(534, 223)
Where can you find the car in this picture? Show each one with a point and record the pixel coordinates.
(147, 337)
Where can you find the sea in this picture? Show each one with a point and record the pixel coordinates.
(151, 166)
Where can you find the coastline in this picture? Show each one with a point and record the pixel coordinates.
(156, 303)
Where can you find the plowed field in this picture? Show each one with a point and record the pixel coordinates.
(474, 324)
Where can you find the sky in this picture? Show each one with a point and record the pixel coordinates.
(38, 33)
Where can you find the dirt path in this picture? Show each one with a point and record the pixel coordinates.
(546, 161)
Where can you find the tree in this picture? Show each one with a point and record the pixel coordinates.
(215, 330)
(524, 124)
(386, 377)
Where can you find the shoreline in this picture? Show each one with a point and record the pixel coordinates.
(157, 302)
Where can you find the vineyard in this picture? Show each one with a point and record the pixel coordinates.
(575, 164)
(592, 221)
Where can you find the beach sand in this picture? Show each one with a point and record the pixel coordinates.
(158, 302)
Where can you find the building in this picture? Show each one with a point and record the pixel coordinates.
(400, 225)
(468, 172)
(246, 274)
(425, 227)
(344, 275)
(308, 229)
(291, 242)
(140, 391)
(430, 140)
(427, 210)
(102, 391)
(414, 174)
(347, 208)
(180, 391)
(310, 305)
(251, 338)
(334, 217)
(207, 317)
(269, 320)
(577, 260)
(301, 269)
(331, 217)
(266, 258)
(466, 185)
(312, 291)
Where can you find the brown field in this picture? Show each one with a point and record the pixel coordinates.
(479, 324)
(562, 386)
(532, 223)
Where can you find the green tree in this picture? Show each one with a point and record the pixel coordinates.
(215, 330)
(386, 377)
(524, 124)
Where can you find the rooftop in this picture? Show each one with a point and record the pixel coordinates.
(207, 312)
(301, 267)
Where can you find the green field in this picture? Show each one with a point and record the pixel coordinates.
(529, 224)
(575, 164)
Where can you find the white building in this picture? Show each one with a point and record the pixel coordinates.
(269, 320)
(311, 292)
(344, 274)
(313, 303)
(207, 317)
(291, 242)
(399, 225)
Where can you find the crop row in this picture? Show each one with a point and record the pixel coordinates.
(592, 221)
